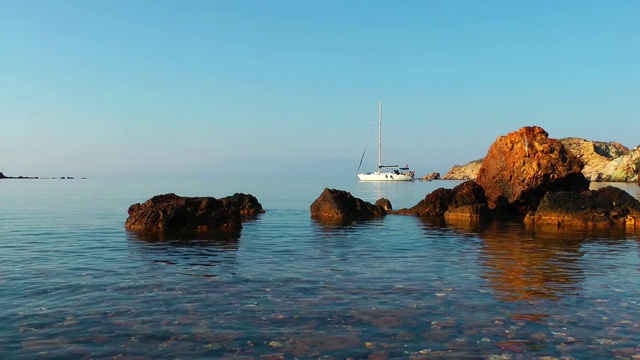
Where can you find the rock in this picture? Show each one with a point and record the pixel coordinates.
(596, 156)
(248, 204)
(431, 176)
(385, 204)
(524, 165)
(465, 201)
(2, 176)
(464, 172)
(603, 161)
(434, 204)
(476, 212)
(605, 207)
(171, 212)
(623, 168)
(342, 206)
(468, 193)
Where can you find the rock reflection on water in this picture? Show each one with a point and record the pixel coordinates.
(191, 252)
(530, 265)
(188, 238)
(526, 264)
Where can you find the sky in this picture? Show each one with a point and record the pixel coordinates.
(110, 88)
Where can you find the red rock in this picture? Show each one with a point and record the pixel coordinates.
(523, 165)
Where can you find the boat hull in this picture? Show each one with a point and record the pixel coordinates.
(384, 176)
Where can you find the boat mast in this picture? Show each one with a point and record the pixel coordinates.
(380, 136)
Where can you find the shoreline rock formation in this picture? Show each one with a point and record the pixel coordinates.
(603, 162)
(468, 171)
(606, 207)
(431, 176)
(536, 179)
(523, 165)
(170, 212)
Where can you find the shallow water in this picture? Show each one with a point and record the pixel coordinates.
(75, 284)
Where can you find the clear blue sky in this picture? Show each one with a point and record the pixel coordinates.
(105, 88)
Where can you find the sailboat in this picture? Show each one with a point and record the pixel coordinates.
(385, 172)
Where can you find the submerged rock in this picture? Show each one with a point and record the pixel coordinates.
(341, 205)
(170, 212)
(605, 207)
(524, 165)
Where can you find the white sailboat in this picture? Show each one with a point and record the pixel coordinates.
(385, 172)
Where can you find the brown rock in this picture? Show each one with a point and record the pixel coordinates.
(434, 204)
(523, 165)
(341, 205)
(171, 212)
(605, 207)
(248, 204)
(476, 212)
(462, 202)
(468, 193)
(385, 204)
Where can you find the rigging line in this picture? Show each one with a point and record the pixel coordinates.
(367, 143)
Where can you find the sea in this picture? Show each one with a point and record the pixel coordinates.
(75, 285)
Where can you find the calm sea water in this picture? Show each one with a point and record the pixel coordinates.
(75, 285)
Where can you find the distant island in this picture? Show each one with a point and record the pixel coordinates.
(3, 176)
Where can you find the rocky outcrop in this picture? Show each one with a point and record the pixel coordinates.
(524, 165)
(605, 207)
(431, 176)
(464, 172)
(603, 161)
(171, 212)
(466, 201)
(623, 168)
(340, 205)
